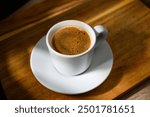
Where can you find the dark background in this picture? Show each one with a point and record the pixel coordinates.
(7, 7)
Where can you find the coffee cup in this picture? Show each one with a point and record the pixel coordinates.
(77, 63)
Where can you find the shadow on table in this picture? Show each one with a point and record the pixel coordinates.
(14, 75)
(133, 45)
(7, 7)
(146, 2)
(2, 94)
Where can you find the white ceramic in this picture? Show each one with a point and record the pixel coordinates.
(74, 64)
(46, 74)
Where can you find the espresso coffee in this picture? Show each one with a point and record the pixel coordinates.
(71, 41)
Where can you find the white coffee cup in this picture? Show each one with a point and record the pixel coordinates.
(75, 64)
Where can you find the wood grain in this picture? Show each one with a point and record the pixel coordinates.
(141, 92)
(128, 22)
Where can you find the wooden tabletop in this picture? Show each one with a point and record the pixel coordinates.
(128, 23)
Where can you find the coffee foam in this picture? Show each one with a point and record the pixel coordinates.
(71, 40)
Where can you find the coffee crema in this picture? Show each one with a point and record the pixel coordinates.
(71, 41)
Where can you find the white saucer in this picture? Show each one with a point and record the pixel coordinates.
(46, 74)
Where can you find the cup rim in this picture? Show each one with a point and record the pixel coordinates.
(65, 55)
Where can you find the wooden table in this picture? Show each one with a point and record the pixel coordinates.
(128, 22)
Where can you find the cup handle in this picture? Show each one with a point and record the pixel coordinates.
(101, 33)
